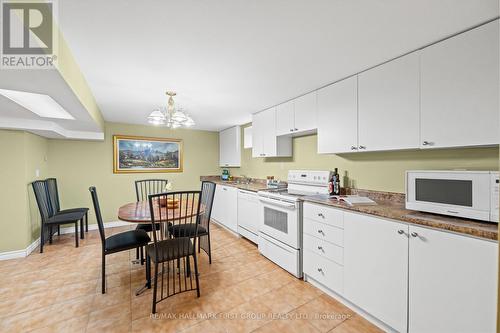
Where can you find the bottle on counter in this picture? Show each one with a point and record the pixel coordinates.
(336, 182)
(331, 184)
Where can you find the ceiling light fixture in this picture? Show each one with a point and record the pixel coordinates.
(43, 105)
(170, 116)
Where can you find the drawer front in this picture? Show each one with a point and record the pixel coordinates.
(328, 250)
(324, 214)
(324, 232)
(324, 271)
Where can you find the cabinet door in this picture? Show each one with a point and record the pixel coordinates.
(376, 267)
(231, 206)
(306, 109)
(218, 209)
(389, 111)
(230, 147)
(257, 135)
(285, 118)
(459, 90)
(453, 282)
(269, 132)
(338, 117)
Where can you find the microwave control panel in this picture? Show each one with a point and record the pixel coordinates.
(494, 188)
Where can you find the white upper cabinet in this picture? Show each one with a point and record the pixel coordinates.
(285, 118)
(298, 116)
(264, 140)
(306, 113)
(388, 108)
(338, 117)
(230, 147)
(452, 282)
(459, 90)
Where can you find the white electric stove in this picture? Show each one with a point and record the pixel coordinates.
(280, 233)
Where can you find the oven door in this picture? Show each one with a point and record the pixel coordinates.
(462, 194)
(280, 221)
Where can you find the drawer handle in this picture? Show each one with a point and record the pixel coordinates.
(320, 270)
(414, 234)
(321, 232)
(400, 232)
(321, 215)
(321, 248)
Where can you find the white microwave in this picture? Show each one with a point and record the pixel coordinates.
(467, 194)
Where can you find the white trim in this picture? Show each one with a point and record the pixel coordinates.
(68, 230)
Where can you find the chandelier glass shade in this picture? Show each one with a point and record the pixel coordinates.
(170, 116)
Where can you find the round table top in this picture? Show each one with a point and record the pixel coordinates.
(138, 212)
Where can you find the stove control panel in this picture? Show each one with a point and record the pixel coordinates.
(311, 177)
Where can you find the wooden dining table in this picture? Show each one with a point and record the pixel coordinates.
(139, 212)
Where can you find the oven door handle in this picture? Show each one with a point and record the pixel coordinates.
(278, 203)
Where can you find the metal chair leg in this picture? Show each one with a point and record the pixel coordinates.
(209, 249)
(137, 253)
(148, 271)
(58, 230)
(50, 234)
(82, 232)
(76, 233)
(142, 255)
(103, 274)
(87, 222)
(41, 238)
(196, 275)
(155, 287)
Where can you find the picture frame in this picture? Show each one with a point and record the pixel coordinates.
(140, 154)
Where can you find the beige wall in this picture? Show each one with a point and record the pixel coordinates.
(80, 164)
(382, 171)
(23, 153)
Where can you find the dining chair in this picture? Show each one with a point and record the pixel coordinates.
(123, 241)
(172, 256)
(143, 188)
(53, 192)
(48, 218)
(203, 230)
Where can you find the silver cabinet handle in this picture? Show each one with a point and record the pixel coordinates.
(225, 189)
(291, 129)
(401, 232)
(414, 234)
(321, 248)
(320, 270)
(295, 129)
(426, 143)
(321, 232)
(354, 148)
(321, 215)
(362, 147)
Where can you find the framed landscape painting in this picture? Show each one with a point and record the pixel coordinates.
(134, 154)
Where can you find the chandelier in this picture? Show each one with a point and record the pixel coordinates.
(170, 116)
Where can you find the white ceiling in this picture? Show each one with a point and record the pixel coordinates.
(51, 83)
(230, 58)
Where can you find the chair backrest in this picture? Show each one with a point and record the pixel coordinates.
(42, 199)
(146, 187)
(53, 194)
(207, 200)
(182, 216)
(98, 216)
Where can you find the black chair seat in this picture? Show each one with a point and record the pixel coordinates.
(126, 240)
(171, 249)
(187, 230)
(73, 210)
(147, 227)
(65, 218)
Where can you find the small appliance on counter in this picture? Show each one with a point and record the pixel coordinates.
(225, 175)
(466, 194)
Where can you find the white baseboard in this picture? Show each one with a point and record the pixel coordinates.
(68, 230)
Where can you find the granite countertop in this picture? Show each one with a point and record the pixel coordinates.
(253, 185)
(394, 208)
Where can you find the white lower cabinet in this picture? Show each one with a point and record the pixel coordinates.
(225, 207)
(453, 283)
(376, 267)
(413, 279)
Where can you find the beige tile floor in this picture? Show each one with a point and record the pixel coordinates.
(59, 291)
